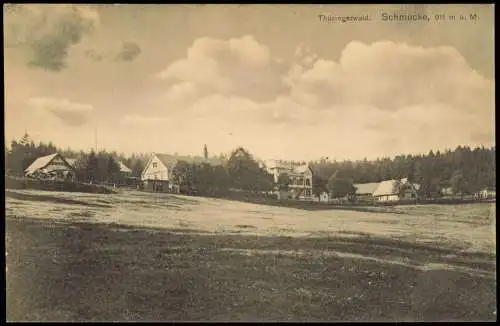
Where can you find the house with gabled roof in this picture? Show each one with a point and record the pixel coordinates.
(124, 169)
(124, 175)
(387, 191)
(395, 190)
(158, 173)
(52, 166)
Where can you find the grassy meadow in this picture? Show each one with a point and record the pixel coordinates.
(136, 256)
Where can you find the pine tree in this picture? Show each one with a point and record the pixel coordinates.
(113, 169)
(91, 168)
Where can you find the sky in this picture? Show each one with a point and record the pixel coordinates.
(271, 78)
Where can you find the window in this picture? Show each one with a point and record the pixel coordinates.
(308, 182)
(155, 165)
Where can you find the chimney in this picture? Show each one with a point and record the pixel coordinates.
(205, 151)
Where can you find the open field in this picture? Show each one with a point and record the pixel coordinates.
(140, 256)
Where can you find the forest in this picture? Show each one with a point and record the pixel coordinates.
(465, 169)
(100, 166)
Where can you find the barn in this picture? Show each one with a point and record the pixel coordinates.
(395, 190)
(52, 166)
(364, 191)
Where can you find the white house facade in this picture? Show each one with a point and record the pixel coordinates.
(155, 170)
(157, 175)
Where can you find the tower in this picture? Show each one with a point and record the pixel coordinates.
(205, 151)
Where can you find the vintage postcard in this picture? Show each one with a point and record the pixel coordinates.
(249, 162)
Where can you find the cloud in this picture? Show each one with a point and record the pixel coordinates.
(184, 93)
(71, 113)
(47, 32)
(378, 99)
(304, 56)
(391, 76)
(128, 52)
(238, 67)
(421, 128)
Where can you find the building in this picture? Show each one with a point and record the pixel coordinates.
(72, 162)
(301, 182)
(395, 190)
(486, 193)
(324, 197)
(125, 172)
(124, 169)
(446, 191)
(158, 173)
(124, 176)
(364, 191)
(277, 167)
(52, 166)
(300, 178)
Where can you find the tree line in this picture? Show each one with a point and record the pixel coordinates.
(97, 167)
(239, 170)
(464, 169)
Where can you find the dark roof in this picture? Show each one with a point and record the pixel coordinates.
(171, 160)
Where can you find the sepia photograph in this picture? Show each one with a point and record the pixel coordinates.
(249, 163)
